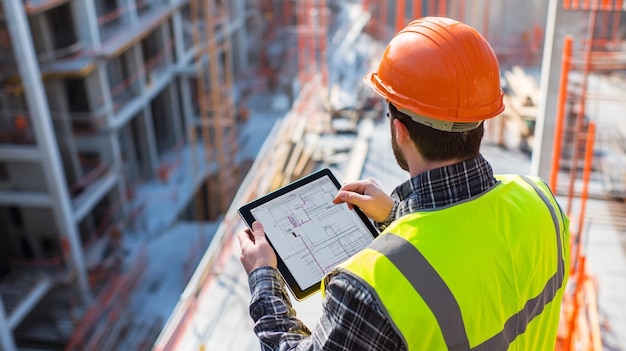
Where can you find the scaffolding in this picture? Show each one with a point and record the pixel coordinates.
(213, 60)
(312, 29)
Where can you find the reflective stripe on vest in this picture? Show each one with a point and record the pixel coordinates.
(436, 294)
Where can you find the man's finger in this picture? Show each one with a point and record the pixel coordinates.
(358, 187)
(257, 229)
(245, 237)
(350, 197)
(339, 200)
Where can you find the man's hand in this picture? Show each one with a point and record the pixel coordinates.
(367, 196)
(256, 252)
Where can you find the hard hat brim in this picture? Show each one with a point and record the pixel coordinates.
(477, 113)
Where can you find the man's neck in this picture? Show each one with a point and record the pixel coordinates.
(425, 166)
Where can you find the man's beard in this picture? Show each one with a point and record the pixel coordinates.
(400, 158)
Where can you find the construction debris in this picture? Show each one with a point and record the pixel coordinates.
(521, 99)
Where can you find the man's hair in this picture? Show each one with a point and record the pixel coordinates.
(438, 145)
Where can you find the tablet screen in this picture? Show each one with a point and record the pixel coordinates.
(311, 234)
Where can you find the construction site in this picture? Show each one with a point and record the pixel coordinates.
(131, 131)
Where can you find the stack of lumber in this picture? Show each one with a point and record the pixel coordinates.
(297, 139)
(521, 108)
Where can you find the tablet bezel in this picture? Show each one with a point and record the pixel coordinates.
(245, 212)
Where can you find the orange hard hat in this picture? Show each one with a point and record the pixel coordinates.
(442, 73)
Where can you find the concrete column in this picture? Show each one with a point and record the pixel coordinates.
(7, 343)
(134, 168)
(137, 65)
(51, 161)
(116, 151)
(190, 118)
(86, 18)
(559, 24)
(150, 139)
(166, 37)
(131, 17)
(175, 111)
(179, 42)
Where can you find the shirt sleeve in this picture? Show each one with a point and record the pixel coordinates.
(351, 317)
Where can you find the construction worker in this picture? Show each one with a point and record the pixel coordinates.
(466, 260)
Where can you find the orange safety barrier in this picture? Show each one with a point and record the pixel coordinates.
(581, 109)
(579, 327)
(443, 8)
(560, 113)
(400, 18)
(417, 9)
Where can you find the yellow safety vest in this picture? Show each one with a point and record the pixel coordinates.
(485, 274)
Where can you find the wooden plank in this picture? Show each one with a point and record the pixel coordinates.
(516, 117)
(527, 84)
(298, 130)
(293, 160)
(306, 156)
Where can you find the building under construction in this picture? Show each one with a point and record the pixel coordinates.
(129, 130)
(100, 98)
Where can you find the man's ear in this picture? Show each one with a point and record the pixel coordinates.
(400, 129)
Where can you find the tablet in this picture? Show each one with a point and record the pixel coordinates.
(308, 232)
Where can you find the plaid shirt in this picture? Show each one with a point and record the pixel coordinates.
(352, 317)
